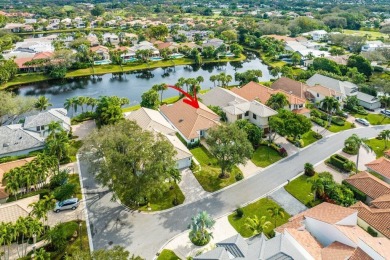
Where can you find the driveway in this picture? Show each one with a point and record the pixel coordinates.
(83, 129)
(190, 187)
(145, 234)
(290, 204)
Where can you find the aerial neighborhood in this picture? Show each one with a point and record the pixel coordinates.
(195, 130)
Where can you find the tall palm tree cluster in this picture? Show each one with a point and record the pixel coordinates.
(20, 232)
(222, 79)
(327, 189)
(42, 103)
(31, 176)
(191, 84)
(87, 103)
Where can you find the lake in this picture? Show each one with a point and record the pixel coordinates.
(133, 84)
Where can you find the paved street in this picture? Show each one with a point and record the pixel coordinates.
(144, 234)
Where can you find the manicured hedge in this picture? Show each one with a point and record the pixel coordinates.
(372, 232)
(338, 121)
(318, 121)
(338, 161)
(359, 195)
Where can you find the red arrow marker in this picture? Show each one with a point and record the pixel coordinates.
(190, 100)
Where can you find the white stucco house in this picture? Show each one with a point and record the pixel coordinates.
(152, 120)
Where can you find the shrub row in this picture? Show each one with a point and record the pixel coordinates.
(318, 121)
(338, 161)
(359, 195)
(338, 121)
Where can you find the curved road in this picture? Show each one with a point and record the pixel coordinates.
(145, 234)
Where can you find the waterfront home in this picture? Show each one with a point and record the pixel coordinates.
(145, 45)
(102, 55)
(172, 46)
(36, 63)
(215, 42)
(236, 107)
(39, 123)
(110, 38)
(256, 91)
(294, 87)
(326, 231)
(152, 120)
(373, 45)
(93, 39)
(17, 27)
(191, 123)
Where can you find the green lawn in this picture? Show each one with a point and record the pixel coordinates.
(300, 188)
(308, 138)
(372, 35)
(378, 146)
(167, 255)
(335, 128)
(166, 200)
(259, 208)
(208, 175)
(264, 156)
(375, 119)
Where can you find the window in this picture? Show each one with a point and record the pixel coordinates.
(254, 116)
(192, 140)
(40, 128)
(318, 95)
(239, 117)
(247, 113)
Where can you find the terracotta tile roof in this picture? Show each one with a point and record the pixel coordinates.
(3, 194)
(329, 213)
(327, 92)
(307, 241)
(381, 166)
(369, 184)
(122, 48)
(294, 222)
(43, 55)
(354, 233)
(336, 251)
(21, 61)
(99, 48)
(291, 86)
(10, 212)
(383, 202)
(256, 91)
(359, 254)
(189, 120)
(377, 218)
(6, 167)
(381, 245)
(301, 111)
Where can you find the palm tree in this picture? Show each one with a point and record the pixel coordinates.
(275, 72)
(91, 102)
(257, 225)
(385, 135)
(317, 187)
(277, 101)
(330, 104)
(354, 142)
(82, 101)
(276, 212)
(42, 103)
(199, 227)
(160, 87)
(41, 254)
(69, 103)
(54, 127)
(213, 78)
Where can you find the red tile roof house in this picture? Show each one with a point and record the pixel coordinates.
(377, 214)
(191, 123)
(23, 63)
(380, 166)
(255, 91)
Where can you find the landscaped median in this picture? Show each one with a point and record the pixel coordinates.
(21, 79)
(259, 208)
(208, 172)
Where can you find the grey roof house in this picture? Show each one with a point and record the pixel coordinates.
(19, 139)
(346, 88)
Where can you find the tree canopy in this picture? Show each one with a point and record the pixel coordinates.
(136, 163)
(229, 145)
(290, 124)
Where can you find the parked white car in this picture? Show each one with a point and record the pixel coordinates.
(72, 203)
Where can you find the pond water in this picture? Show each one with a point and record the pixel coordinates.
(133, 84)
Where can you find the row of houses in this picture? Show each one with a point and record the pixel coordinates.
(326, 231)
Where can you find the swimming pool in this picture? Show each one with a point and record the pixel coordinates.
(176, 56)
(155, 58)
(102, 62)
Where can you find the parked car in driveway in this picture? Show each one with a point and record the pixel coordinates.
(72, 203)
(385, 112)
(362, 121)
